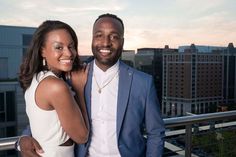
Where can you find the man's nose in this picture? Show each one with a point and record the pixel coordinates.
(107, 41)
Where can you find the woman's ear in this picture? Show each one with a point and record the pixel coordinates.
(43, 52)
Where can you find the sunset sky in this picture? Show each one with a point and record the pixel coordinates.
(148, 23)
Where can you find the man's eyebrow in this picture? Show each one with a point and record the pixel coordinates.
(98, 31)
(58, 42)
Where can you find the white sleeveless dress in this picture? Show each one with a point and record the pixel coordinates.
(45, 125)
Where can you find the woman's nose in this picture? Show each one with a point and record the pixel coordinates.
(67, 51)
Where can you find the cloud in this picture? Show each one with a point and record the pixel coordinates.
(27, 5)
(147, 24)
(87, 9)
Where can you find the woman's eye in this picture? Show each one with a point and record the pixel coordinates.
(71, 47)
(58, 47)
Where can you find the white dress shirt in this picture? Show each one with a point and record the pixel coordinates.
(103, 112)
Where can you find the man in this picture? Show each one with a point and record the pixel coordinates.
(122, 105)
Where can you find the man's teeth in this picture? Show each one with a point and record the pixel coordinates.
(105, 51)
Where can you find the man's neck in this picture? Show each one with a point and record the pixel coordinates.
(104, 67)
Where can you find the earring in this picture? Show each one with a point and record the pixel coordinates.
(44, 62)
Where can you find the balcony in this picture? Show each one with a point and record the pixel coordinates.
(212, 134)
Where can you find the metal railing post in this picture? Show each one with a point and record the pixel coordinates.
(8, 143)
(188, 140)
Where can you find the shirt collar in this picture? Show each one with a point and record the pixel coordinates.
(112, 69)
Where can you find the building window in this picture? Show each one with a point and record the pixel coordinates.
(7, 118)
(2, 107)
(7, 113)
(202, 108)
(193, 108)
(10, 109)
(164, 108)
(170, 111)
(26, 39)
(175, 109)
(3, 65)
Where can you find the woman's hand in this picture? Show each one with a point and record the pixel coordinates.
(79, 78)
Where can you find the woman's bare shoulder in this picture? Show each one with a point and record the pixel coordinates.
(53, 86)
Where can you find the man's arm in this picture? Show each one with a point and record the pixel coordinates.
(154, 124)
(25, 132)
(27, 145)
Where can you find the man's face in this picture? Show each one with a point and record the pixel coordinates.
(107, 43)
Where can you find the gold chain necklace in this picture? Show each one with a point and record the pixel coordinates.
(100, 88)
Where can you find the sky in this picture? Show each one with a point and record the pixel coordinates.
(148, 23)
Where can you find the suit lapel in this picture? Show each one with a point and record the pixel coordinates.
(125, 78)
(88, 90)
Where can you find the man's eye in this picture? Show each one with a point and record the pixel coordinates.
(114, 37)
(98, 36)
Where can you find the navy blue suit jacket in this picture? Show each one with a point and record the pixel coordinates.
(138, 114)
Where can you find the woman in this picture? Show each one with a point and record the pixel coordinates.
(55, 116)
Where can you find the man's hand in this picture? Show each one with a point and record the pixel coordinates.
(29, 147)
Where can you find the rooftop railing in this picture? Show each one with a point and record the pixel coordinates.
(185, 123)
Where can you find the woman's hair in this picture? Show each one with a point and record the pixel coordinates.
(33, 61)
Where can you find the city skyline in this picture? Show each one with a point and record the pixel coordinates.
(153, 23)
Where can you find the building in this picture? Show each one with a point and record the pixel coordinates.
(86, 58)
(149, 60)
(229, 90)
(13, 44)
(192, 81)
(128, 56)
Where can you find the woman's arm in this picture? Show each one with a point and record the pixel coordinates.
(54, 93)
(78, 82)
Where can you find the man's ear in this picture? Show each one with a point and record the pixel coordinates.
(123, 41)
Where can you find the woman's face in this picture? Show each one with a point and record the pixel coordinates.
(59, 51)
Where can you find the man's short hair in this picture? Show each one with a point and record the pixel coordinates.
(111, 16)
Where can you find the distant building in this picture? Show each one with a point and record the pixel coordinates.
(201, 48)
(86, 58)
(149, 60)
(229, 90)
(192, 81)
(128, 56)
(13, 44)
